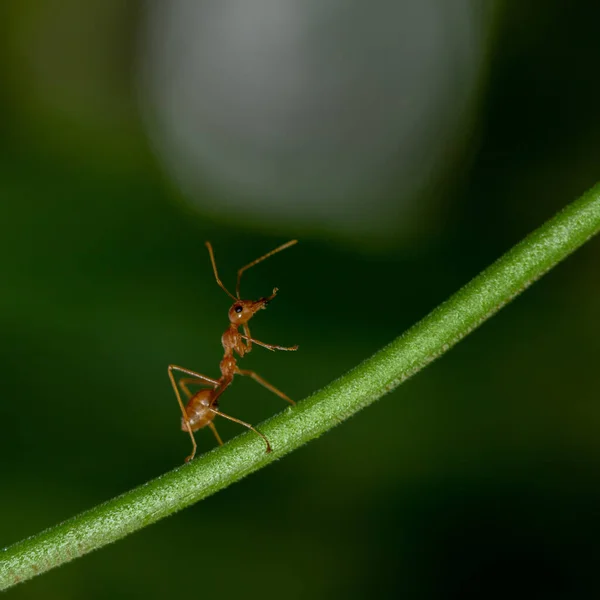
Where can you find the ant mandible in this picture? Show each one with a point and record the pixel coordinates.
(203, 406)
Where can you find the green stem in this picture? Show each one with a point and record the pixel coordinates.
(401, 359)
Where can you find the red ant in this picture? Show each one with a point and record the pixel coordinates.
(202, 407)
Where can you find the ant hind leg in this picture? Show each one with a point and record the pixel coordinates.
(218, 412)
(214, 430)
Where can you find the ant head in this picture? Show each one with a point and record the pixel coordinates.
(243, 310)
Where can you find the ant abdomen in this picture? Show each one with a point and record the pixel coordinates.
(198, 410)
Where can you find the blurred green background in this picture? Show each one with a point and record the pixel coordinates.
(477, 478)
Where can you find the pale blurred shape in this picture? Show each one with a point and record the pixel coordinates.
(331, 114)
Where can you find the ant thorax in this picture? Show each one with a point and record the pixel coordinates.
(232, 340)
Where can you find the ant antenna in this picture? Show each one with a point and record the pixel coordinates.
(214, 265)
(254, 262)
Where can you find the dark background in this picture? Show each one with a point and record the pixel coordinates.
(478, 478)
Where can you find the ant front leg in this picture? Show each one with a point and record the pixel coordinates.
(247, 337)
(271, 347)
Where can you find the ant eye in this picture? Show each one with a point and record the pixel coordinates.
(238, 309)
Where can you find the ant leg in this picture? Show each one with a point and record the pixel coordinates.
(214, 430)
(265, 383)
(195, 375)
(218, 412)
(247, 337)
(187, 381)
(181, 406)
(271, 347)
